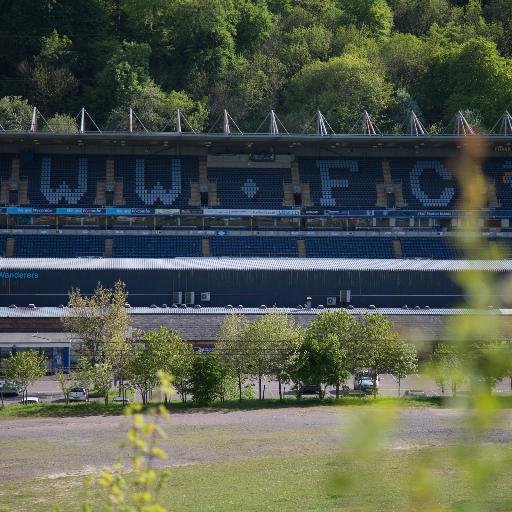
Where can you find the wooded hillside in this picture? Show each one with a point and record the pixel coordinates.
(296, 56)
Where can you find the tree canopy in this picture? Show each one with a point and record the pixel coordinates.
(249, 56)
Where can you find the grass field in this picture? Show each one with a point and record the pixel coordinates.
(275, 459)
(94, 408)
(287, 484)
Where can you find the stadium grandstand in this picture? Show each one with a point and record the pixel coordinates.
(216, 220)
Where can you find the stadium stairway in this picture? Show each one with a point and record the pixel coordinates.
(9, 248)
(397, 248)
(108, 247)
(205, 247)
(301, 247)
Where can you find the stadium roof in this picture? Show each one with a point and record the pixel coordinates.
(245, 264)
(58, 312)
(121, 138)
(202, 325)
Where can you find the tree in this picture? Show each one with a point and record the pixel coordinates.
(157, 110)
(207, 378)
(83, 374)
(406, 59)
(476, 62)
(283, 339)
(157, 352)
(350, 84)
(321, 361)
(374, 14)
(62, 123)
(66, 383)
(180, 363)
(405, 361)
(124, 75)
(101, 377)
(97, 320)
(232, 348)
(15, 113)
(377, 348)
(340, 325)
(25, 368)
(417, 16)
(448, 367)
(54, 82)
(270, 340)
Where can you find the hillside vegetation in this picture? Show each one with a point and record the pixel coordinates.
(296, 56)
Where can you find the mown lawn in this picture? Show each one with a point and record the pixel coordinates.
(95, 408)
(390, 480)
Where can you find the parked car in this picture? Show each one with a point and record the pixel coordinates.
(30, 400)
(8, 389)
(364, 382)
(415, 393)
(121, 399)
(309, 389)
(78, 395)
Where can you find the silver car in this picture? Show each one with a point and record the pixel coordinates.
(78, 395)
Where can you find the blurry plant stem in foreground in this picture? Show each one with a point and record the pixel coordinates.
(476, 353)
(139, 490)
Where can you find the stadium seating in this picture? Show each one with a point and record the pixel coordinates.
(252, 246)
(173, 246)
(341, 183)
(250, 188)
(156, 181)
(429, 247)
(58, 246)
(347, 247)
(156, 246)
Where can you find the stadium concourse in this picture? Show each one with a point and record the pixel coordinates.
(197, 225)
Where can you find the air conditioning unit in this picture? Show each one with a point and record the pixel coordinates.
(331, 301)
(205, 296)
(190, 297)
(344, 296)
(177, 297)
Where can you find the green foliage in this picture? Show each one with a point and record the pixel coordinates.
(376, 15)
(15, 113)
(161, 350)
(207, 378)
(67, 381)
(252, 55)
(62, 123)
(341, 88)
(320, 361)
(24, 368)
(101, 322)
(476, 62)
(157, 110)
(378, 349)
